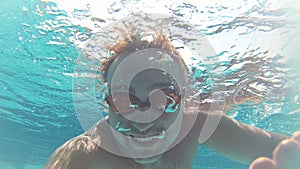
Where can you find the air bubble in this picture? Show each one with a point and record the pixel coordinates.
(171, 87)
(115, 7)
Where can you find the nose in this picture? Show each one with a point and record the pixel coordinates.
(143, 126)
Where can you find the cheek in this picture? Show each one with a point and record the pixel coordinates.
(115, 118)
(167, 119)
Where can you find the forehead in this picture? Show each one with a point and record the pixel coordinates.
(151, 68)
(152, 78)
(148, 80)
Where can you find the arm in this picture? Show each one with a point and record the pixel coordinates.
(286, 155)
(71, 155)
(242, 142)
(236, 140)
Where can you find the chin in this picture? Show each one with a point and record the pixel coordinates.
(148, 160)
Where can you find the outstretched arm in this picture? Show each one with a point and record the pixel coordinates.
(236, 140)
(286, 155)
(242, 142)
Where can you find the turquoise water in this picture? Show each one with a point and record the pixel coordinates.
(39, 44)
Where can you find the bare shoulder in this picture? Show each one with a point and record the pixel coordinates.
(74, 154)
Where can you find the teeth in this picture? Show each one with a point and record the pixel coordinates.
(145, 139)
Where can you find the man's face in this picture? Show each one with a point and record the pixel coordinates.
(143, 96)
(152, 91)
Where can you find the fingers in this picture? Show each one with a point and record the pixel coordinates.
(287, 154)
(262, 163)
(296, 136)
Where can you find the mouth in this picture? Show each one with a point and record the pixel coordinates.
(147, 140)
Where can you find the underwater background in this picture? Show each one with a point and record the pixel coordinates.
(40, 40)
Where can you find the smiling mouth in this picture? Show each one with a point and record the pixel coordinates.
(148, 138)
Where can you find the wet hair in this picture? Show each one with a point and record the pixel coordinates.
(133, 44)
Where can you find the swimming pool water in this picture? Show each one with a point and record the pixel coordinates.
(40, 41)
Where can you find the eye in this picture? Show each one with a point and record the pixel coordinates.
(134, 103)
(173, 101)
(120, 102)
(174, 98)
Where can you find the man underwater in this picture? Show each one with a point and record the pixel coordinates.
(231, 138)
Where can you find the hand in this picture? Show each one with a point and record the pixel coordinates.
(285, 156)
